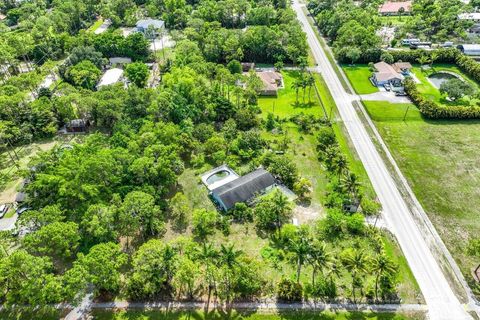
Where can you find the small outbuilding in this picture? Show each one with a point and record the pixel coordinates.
(111, 76)
(77, 126)
(114, 61)
(243, 189)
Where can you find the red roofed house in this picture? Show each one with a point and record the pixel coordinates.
(390, 8)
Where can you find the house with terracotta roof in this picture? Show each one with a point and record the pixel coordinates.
(393, 8)
(272, 81)
(387, 75)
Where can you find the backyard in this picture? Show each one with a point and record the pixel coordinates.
(440, 160)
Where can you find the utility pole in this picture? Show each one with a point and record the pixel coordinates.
(405, 115)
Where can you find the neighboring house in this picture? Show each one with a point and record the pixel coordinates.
(386, 75)
(77, 126)
(114, 61)
(272, 81)
(391, 8)
(469, 49)
(469, 16)
(143, 25)
(243, 189)
(111, 76)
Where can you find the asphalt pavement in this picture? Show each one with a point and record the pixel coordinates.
(439, 296)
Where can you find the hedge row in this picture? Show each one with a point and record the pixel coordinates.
(433, 110)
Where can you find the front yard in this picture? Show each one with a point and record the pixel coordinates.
(359, 75)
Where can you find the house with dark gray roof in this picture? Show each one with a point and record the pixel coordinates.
(243, 189)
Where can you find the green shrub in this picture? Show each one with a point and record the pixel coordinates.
(289, 291)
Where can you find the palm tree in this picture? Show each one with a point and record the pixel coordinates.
(382, 265)
(310, 84)
(433, 57)
(229, 258)
(350, 181)
(282, 209)
(356, 263)
(340, 164)
(301, 248)
(423, 60)
(319, 258)
(296, 85)
(208, 255)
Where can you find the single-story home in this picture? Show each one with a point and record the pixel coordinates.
(143, 25)
(386, 74)
(392, 8)
(272, 81)
(243, 189)
(469, 49)
(111, 76)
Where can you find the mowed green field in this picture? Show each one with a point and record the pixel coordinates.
(359, 75)
(441, 162)
(215, 315)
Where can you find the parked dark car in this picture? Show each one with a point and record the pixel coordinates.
(3, 210)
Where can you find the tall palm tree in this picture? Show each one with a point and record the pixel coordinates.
(423, 60)
(208, 255)
(356, 262)
(319, 258)
(310, 84)
(296, 85)
(433, 57)
(351, 183)
(301, 248)
(340, 165)
(382, 265)
(228, 258)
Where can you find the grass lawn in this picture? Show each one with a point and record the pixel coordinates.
(286, 105)
(246, 315)
(394, 21)
(359, 75)
(96, 25)
(440, 160)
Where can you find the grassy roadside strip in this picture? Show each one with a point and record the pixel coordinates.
(250, 315)
(342, 136)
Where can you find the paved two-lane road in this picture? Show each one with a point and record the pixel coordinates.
(441, 301)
